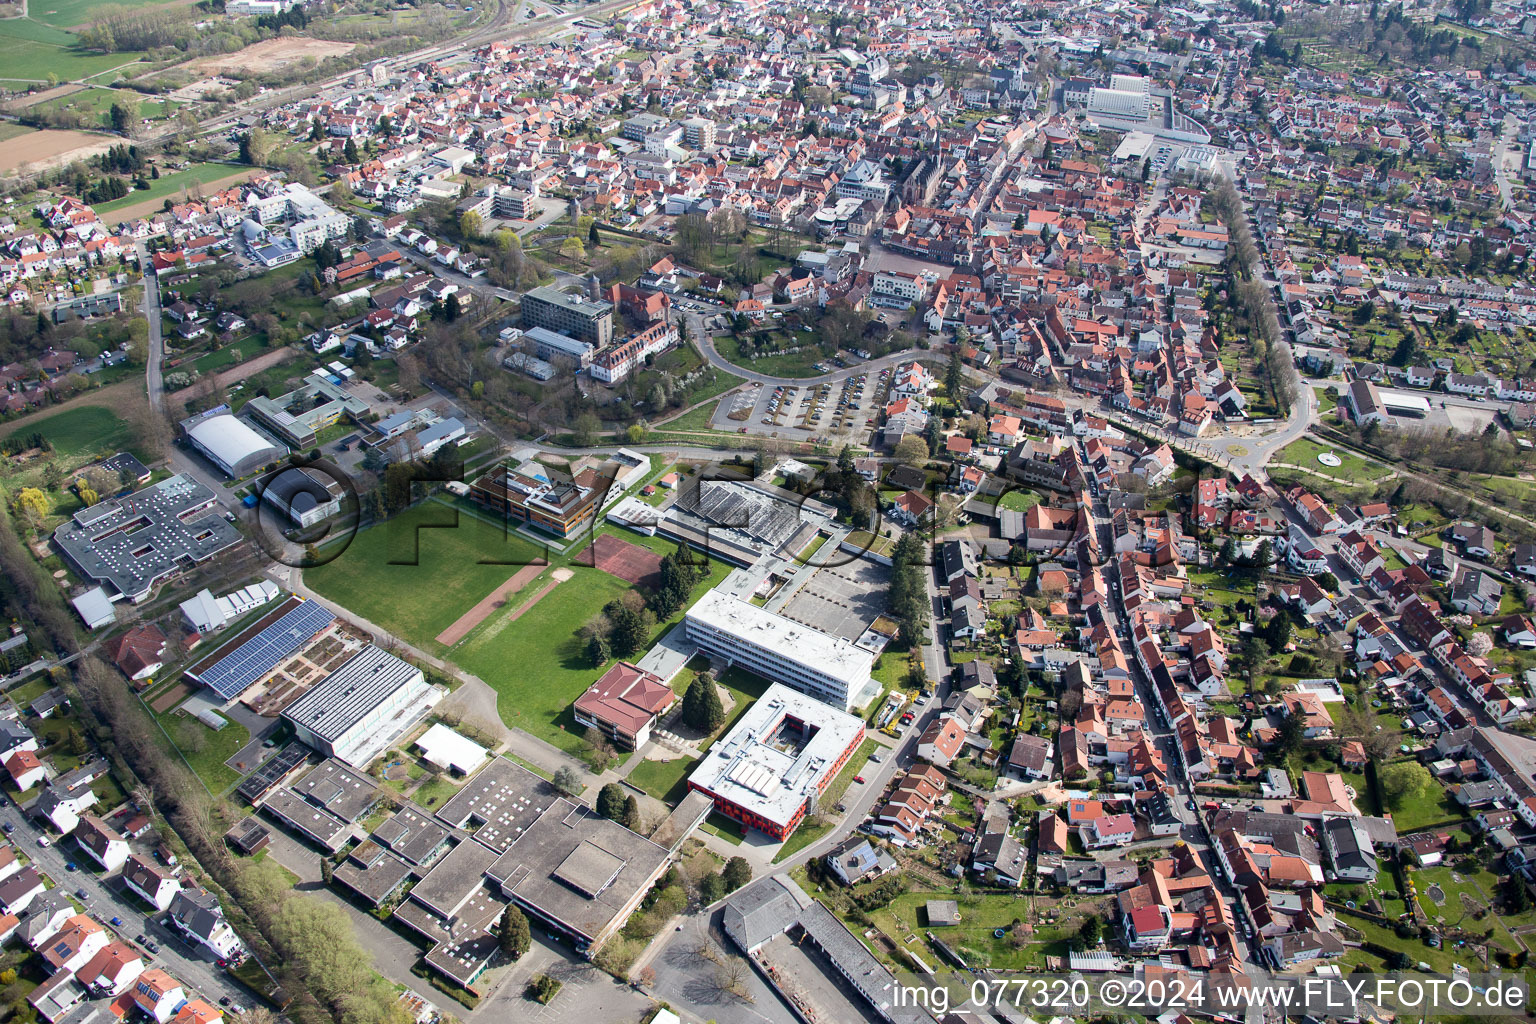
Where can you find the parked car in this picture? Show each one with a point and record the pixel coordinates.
(43, 841)
(82, 894)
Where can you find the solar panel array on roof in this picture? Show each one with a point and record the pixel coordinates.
(231, 674)
(272, 771)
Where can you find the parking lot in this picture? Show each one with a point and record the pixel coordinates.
(842, 600)
(843, 409)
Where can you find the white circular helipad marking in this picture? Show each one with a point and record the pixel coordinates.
(1329, 459)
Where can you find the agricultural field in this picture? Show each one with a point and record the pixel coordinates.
(31, 50)
(171, 185)
(72, 13)
(84, 430)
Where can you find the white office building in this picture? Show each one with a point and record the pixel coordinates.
(357, 711)
(829, 668)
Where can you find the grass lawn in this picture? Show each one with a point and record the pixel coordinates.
(82, 429)
(100, 102)
(792, 364)
(980, 916)
(169, 186)
(537, 663)
(33, 50)
(664, 780)
(206, 750)
(1304, 451)
(433, 793)
(419, 601)
(1433, 809)
(718, 824)
(1018, 500)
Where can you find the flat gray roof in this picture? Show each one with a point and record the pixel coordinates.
(577, 868)
(340, 790)
(498, 803)
(134, 542)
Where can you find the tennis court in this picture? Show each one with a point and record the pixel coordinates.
(629, 562)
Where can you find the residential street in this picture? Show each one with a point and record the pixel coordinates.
(108, 899)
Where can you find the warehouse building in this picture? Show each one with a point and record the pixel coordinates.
(362, 707)
(131, 544)
(230, 443)
(826, 667)
(770, 770)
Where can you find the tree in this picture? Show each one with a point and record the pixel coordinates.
(712, 889)
(327, 870)
(592, 237)
(567, 780)
(1403, 782)
(701, 705)
(470, 224)
(33, 506)
(350, 153)
(953, 379)
(572, 249)
(514, 936)
(122, 118)
(586, 427)
(630, 631)
(737, 873)
(912, 451)
(631, 813)
(1479, 644)
(610, 802)
(1293, 729)
(597, 650)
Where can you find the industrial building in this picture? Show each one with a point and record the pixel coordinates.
(230, 443)
(359, 709)
(769, 771)
(569, 313)
(828, 668)
(298, 417)
(131, 544)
